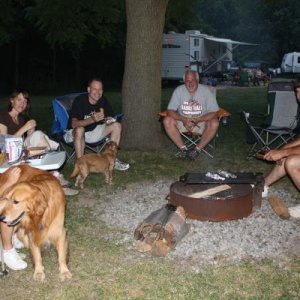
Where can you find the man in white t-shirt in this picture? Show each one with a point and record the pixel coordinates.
(193, 107)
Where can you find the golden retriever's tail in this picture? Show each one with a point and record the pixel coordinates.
(75, 171)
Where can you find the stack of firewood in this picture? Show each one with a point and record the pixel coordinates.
(161, 230)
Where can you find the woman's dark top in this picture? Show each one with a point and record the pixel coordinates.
(7, 120)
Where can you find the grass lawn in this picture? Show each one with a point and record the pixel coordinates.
(105, 270)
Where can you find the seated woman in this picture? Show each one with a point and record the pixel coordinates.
(15, 121)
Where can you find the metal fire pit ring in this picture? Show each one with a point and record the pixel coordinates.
(234, 203)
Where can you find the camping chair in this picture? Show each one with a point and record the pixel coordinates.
(281, 120)
(191, 139)
(61, 108)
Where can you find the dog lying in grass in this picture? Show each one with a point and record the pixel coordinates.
(96, 163)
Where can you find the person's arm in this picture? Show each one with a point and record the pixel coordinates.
(28, 127)
(3, 129)
(187, 122)
(83, 123)
(207, 117)
(278, 154)
(11, 180)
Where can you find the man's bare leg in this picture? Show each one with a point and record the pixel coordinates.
(211, 128)
(276, 173)
(171, 129)
(114, 130)
(292, 167)
(79, 141)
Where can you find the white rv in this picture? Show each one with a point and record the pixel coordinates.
(291, 63)
(196, 51)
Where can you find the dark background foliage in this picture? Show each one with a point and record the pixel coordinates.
(59, 44)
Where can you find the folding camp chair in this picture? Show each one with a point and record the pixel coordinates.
(61, 107)
(191, 139)
(281, 119)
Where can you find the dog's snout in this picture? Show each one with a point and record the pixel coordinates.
(2, 217)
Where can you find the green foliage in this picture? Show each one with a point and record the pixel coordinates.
(70, 22)
(180, 16)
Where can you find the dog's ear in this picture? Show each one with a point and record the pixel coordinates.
(40, 204)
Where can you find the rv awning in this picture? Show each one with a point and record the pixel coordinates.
(226, 41)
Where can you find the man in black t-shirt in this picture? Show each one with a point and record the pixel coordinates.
(89, 120)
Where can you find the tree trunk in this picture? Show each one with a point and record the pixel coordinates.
(141, 89)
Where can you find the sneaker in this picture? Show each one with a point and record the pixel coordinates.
(294, 211)
(13, 260)
(70, 192)
(193, 154)
(264, 193)
(121, 166)
(17, 244)
(183, 154)
(63, 182)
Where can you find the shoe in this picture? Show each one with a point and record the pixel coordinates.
(193, 154)
(264, 193)
(121, 166)
(183, 154)
(17, 244)
(13, 260)
(63, 182)
(70, 192)
(294, 211)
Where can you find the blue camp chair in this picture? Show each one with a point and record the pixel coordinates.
(61, 108)
(281, 121)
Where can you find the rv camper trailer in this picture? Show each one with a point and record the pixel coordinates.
(196, 51)
(291, 63)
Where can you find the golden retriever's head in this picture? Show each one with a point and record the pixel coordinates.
(111, 147)
(23, 199)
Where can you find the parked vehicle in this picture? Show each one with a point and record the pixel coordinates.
(197, 51)
(291, 63)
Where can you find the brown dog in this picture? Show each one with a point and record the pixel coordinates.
(96, 163)
(36, 205)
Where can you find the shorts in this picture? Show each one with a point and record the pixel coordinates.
(91, 137)
(197, 129)
(34, 140)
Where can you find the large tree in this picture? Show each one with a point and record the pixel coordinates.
(141, 89)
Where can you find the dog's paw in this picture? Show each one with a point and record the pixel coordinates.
(65, 275)
(39, 276)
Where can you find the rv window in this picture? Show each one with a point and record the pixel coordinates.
(298, 59)
(196, 55)
(170, 46)
(196, 42)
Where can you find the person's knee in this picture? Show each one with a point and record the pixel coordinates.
(78, 132)
(213, 124)
(292, 163)
(116, 127)
(168, 122)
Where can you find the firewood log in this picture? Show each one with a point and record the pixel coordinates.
(176, 227)
(155, 219)
(279, 207)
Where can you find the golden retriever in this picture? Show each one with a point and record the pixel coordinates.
(96, 163)
(36, 205)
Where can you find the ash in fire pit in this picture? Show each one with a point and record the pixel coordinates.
(211, 198)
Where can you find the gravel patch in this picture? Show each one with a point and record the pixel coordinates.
(263, 235)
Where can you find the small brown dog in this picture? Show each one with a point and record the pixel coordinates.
(96, 163)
